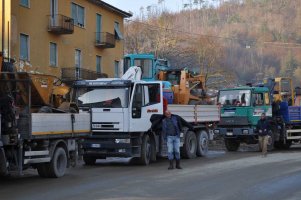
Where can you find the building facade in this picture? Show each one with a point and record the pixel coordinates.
(50, 35)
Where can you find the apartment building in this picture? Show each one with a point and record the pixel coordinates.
(50, 35)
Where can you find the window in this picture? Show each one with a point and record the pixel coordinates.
(267, 98)
(78, 58)
(118, 35)
(98, 27)
(24, 47)
(258, 99)
(78, 14)
(234, 97)
(98, 64)
(113, 97)
(24, 3)
(116, 72)
(53, 54)
(147, 94)
(146, 66)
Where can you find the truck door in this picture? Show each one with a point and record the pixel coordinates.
(261, 104)
(146, 100)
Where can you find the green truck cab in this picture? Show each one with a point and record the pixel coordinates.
(241, 108)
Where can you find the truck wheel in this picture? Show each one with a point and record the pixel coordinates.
(203, 141)
(89, 160)
(232, 144)
(271, 142)
(43, 170)
(58, 164)
(146, 150)
(190, 145)
(280, 145)
(287, 145)
(3, 168)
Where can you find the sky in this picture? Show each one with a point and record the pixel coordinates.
(135, 5)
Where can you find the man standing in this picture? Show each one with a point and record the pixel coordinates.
(263, 134)
(171, 127)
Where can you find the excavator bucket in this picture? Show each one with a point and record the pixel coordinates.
(42, 87)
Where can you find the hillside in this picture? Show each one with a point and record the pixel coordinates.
(237, 42)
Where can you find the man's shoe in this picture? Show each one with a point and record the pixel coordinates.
(170, 164)
(178, 164)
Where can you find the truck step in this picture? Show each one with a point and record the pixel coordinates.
(36, 153)
(36, 160)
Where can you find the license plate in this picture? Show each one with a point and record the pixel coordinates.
(95, 145)
(229, 133)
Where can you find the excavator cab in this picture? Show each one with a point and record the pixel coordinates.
(281, 90)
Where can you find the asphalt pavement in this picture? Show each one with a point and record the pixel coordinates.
(219, 176)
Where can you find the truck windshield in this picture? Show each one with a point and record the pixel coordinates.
(147, 68)
(234, 97)
(103, 97)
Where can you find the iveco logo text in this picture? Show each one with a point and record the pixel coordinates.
(96, 125)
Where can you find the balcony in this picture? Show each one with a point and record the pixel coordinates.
(75, 73)
(60, 24)
(105, 40)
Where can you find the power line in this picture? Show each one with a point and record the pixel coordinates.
(188, 33)
(282, 44)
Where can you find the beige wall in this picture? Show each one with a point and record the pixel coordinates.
(33, 21)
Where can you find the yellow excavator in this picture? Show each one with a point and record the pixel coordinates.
(282, 90)
(187, 89)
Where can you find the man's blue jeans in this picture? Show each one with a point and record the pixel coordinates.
(173, 147)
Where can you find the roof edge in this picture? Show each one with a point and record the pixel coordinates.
(111, 8)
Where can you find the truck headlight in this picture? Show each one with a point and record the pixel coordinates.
(216, 131)
(123, 141)
(245, 131)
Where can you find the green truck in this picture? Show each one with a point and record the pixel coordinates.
(241, 108)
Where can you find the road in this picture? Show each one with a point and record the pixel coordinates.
(219, 176)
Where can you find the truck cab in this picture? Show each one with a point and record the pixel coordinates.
(241, 108)
(121, 112)
(148, 63)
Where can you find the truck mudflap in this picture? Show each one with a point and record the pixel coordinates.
(3, 168)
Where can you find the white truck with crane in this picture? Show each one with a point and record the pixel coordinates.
(126, 116)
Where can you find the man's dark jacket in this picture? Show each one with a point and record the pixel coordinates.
(263, 127)
(157, 123)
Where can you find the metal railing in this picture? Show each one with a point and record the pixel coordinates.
(105, 40)
(60, 24)
(76, 73)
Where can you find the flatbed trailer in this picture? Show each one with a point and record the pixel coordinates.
(33, 135)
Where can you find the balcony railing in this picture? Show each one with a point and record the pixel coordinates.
(76, 73)
(105, 40)
(60, 24)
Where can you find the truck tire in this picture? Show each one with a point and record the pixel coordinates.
(190, 145)
(281, 146)
(43, 170)
(271, 142)
(58, 164)
(88, 160)
(232, 144)
(3, 168)
(202, 141)
(146, 150)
